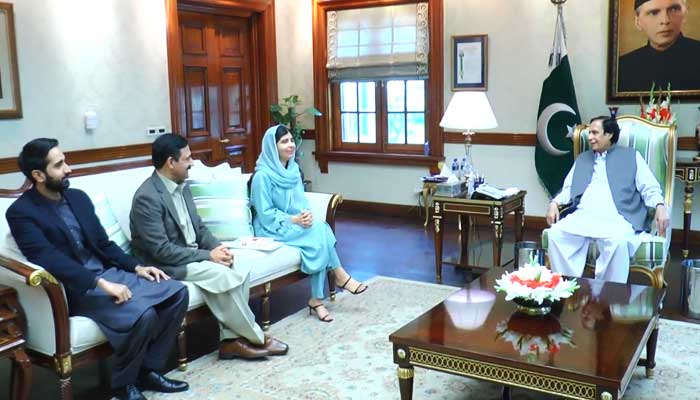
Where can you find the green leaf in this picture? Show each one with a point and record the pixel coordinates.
(277, 117)
(275, 108)
(313, 111)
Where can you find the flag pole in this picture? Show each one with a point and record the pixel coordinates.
(559, 35)
(553, 150)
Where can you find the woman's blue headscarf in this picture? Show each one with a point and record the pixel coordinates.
(269, 161)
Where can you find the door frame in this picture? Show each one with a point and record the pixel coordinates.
(261, 14)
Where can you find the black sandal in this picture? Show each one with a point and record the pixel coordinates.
(357, 289)
(313, 309)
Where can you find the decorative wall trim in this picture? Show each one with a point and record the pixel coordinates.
(532, 222)
(530, 139)
(309, 134)
(382, 209)
(494, 138)
(245, 5)
(686, 143)
(9, 165)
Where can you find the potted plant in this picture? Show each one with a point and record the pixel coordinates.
(285, 113)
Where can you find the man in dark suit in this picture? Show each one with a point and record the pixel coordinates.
(138, 308)
(668, 57)
(167, 232)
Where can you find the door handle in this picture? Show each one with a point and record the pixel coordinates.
(224, 141)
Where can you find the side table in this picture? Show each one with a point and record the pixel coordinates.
(495, 209)
(687, 170)
(12, 325)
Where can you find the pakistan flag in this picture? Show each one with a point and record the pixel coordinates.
(557, 116)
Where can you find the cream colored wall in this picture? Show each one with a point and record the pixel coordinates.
(520, 35)
(109, 55)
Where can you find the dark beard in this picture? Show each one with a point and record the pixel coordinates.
(57, 185)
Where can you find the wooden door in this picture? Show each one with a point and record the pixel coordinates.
(217, 117)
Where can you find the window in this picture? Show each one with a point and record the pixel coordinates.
(380, 116)
(378, 80)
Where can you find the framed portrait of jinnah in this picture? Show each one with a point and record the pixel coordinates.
(653, 42)
(10, 103)
(469, 64)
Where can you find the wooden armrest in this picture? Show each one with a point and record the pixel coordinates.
(54, 291)
(336, 199)
(566, 209)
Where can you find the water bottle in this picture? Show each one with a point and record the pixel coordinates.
(455, 167)
(463, 171)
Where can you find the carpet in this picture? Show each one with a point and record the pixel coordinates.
(350, 358)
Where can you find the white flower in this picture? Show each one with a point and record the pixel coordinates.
(535, 282)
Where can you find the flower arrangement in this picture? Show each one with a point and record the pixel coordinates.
(532, 341)
(658, 110)
(535, 283)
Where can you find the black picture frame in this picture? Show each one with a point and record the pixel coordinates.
(469, 62)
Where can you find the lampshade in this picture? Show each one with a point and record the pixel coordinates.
(467, 111)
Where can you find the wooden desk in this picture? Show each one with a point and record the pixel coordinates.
(12, 326)
(495, 209)
(463, 336)
(688, 171)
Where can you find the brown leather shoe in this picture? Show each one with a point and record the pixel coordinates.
(240, 348)
(275, 347)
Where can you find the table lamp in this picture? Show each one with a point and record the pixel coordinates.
(467, 111)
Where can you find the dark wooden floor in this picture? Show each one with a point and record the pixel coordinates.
(368, 246)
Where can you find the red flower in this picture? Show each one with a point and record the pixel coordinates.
(534, 284)
(553, 348)
(652, 114)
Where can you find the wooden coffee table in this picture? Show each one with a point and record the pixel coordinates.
(475, 333)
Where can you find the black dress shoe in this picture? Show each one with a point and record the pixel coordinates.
(129, 392)
(159, 383)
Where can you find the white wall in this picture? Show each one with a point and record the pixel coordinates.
(520, 35)
(110, 55)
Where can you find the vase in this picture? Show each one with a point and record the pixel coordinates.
(531, 307)
(541, 325)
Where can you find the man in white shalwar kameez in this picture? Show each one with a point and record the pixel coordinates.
(610, 188)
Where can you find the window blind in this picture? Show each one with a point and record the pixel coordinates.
(378, 42)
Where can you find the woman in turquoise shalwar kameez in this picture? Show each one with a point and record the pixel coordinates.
(282, 212)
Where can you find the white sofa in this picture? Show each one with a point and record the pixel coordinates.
(63, 342)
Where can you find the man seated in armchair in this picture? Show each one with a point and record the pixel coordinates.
(138, 308)
(609, 189)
